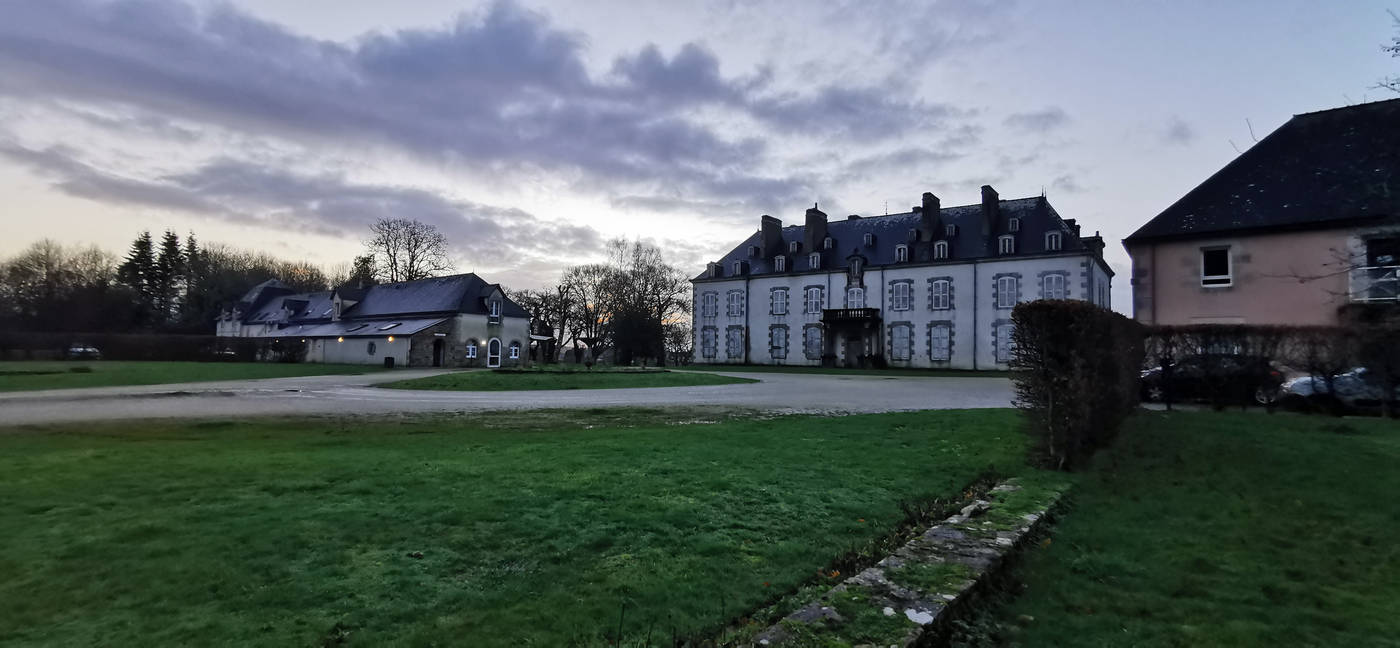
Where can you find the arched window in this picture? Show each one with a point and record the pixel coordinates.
(815, 260)
(493, 353)
(940, 250)
(828, 242)
(855, 297)
(1052, 241)
(868, 239)
(1006, 244)
(901, 253)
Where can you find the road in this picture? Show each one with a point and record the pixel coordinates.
(331, 395)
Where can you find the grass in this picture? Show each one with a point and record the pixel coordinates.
(544, 528)
(530, 380)
(1223, 529)
(837, 371)
(31, 375)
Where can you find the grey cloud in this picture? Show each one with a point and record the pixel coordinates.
(502, 89)
(1178, 132)
(326, 204)
(1038, 121)
(1067, 184)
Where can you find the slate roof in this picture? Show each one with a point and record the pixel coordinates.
(969, 242)
(1319, 169)
(357, 328)
(268, 302)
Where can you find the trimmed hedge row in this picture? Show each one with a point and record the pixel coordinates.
(23, 345)
(1076, 368)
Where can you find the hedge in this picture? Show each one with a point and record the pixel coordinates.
(28, 345)
(1076, 368)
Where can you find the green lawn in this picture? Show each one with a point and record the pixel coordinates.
(30, 375)
(483, 529)
(528, 380)
(1224, 529)
(915, 373)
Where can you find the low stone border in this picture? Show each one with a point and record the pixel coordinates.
(909, 592)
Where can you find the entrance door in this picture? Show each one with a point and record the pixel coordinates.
(437, 352)
(854, 349)
(493, 353)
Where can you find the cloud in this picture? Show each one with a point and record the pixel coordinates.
(1067, 183)
(1178, 132)
(500, 89)
(326, 204)
(1040, 121)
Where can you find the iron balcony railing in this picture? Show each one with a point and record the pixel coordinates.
(1375, 284)
(835, 315)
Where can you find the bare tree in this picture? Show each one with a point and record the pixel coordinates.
(405, 250)
(1393, 83)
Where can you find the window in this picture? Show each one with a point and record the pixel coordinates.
(814, 260)
(855, 297)
(814, 300)
(901, 342)
(734, 342)
(1006, 244)
(856, 265)
(709, 305)
(812, 342)
(1005, 346)
(828, 243)
(792, 247)
(493, 353)
(389, 326)
(940, 250)
(868, 239)
(753, 251)
(1053, 286)
(940, 343)
(734, 304)
(901, 253)
(1014, 225)
(738, 268)
(514, 350)
(941, 296)
(1052, 241)
(780, 263)
(495, 308)
(777, 342)
(780, 301)
(471, 350)
(1215, 266)
(355, 328)
(709, 344)
(950, 230)
(1007, 292)
(899, 296)
(371, 349)
(712, 269)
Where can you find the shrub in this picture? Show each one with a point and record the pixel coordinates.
(1076, 368)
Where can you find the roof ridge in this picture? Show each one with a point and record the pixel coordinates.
(1365, 104)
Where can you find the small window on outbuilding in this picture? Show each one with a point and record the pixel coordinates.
(371, 349)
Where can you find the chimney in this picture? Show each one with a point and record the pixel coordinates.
(991, 209)
(770, 236)
(929, 216)
(1073, 226)
(815, 229)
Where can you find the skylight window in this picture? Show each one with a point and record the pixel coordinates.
(389, 326)
(356, 328)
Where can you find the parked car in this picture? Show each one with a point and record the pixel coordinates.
(1233, 378)
(1358, 389)
(83, 352)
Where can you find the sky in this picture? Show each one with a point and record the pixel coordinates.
(530, 132)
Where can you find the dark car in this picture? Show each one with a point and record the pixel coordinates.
(1358, 390)
(83, 352)
(1221, 378)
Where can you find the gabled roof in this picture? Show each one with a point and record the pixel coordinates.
(1036, 216)
(464, 293)
(1319, 169)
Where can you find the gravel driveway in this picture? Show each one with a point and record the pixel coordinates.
(321, 395)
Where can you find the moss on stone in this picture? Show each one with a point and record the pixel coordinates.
(932, 578)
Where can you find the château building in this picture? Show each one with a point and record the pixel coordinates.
(932, 287)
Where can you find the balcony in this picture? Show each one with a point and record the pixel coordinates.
(1375, 285)
(850, 315)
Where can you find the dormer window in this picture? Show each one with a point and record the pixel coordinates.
(855, 267)
(1014, 225)
(1052, 241)
(950, 230)
(792, 247)
(738, 268)
(753, 251)
(901, 253)
(940, 249)
(713, 269)
(868, 239)
(780, 263)
(495, 308)
(1006, 244)
(828, 243)
(815, 260)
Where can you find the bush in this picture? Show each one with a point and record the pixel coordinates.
(1076, 368)
(28, 345)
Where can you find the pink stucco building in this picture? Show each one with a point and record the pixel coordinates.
(1292, 231)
